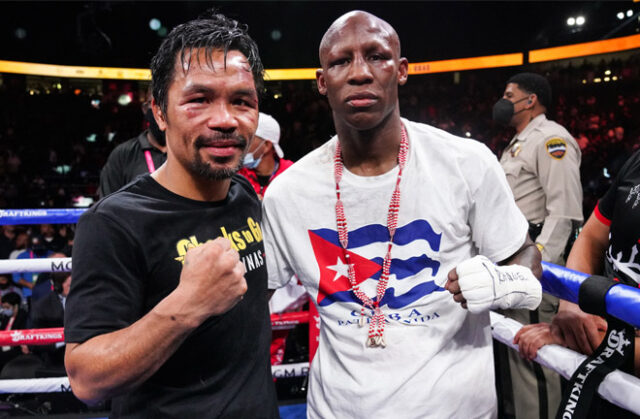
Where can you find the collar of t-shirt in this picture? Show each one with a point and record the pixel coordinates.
(144, 141)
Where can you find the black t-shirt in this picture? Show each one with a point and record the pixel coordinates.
(128, 161)
(127, 257)
(620, 209)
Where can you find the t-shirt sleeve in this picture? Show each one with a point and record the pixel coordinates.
(275, 247)
(498, 227)
(107, 281)
(606, 205)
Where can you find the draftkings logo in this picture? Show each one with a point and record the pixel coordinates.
(240, 239)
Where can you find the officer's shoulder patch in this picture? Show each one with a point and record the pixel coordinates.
(556, 147)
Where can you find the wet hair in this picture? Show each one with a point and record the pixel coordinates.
(534, 83)
(211, 31)
(12, 298)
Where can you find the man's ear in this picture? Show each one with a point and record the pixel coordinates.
(322, 87)
(533, 100)
(403, 71)
(159, 116)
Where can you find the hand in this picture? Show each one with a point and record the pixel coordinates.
(212, 279)
(532, 337)
(24, 349)
(479, 285)
(580, 331)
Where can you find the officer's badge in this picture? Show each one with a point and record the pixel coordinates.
(556, 147)
(515, 150)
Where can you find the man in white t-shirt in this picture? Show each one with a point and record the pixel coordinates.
(382, 224)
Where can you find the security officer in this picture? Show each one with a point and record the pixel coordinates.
(542, 167)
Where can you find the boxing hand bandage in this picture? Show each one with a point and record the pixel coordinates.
(486, 286)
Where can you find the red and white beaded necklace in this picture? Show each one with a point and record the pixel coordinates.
(377, 323)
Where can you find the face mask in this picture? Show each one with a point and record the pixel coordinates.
(157, 133)
(250, 161)
(503, 110)
(7, 312)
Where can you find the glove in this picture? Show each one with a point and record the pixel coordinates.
(486, 286)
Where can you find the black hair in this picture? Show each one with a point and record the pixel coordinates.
(211, 31)
(534, 83)
(12, 298)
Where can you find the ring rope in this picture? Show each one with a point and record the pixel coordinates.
(40, 216)
(35, 265)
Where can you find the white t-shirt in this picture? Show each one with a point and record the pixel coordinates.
(455, 204)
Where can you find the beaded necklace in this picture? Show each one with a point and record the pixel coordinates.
(377, 323)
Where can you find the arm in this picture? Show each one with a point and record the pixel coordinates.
(560, 181)
(582, 331)
(211, 283)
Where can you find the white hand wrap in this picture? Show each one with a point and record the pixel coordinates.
(486, 286)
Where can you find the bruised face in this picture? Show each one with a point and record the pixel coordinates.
(361, 70)
(212, 113)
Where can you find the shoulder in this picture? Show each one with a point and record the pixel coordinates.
(312, 167)
(244, 184)
(439, 144)
(129, 198)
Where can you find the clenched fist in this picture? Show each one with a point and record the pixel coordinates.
(212, 279)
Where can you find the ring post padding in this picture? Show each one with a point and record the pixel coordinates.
(562, 282)
(40, 216)
(592, 294)
(621, 301)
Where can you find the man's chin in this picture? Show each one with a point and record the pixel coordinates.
(215, 172)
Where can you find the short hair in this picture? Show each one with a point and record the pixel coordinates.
(210, 31)
(534, 83)
(12, 298)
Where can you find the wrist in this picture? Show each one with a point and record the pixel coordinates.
(178, 308)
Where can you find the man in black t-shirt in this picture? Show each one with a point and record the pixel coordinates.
(136, 156)
(609, 245)
(167, 311)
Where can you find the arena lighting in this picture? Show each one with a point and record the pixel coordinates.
(584, 81)
(154, 24)
(585, 49)
(607, 72)
(276, 35)
(629, 13)
(620, 15)
(597, 80)
(124, 100)
(20, 33)
(467, 134)
(461, 64)
(580, 20)
(606, 79)
(614, 78)
(571, 21)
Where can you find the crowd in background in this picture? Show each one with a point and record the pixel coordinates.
(54, 143)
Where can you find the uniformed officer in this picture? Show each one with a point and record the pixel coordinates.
(542, 164)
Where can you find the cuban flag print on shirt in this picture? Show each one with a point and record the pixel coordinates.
(414, 263)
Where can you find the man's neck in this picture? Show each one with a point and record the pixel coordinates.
(154, 143)
(178, 180)
(372, 152)
(520, 126)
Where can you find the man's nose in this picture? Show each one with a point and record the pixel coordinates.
(222, 117)
(359, 71)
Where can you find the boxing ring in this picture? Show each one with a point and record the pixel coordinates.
(620, 301)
